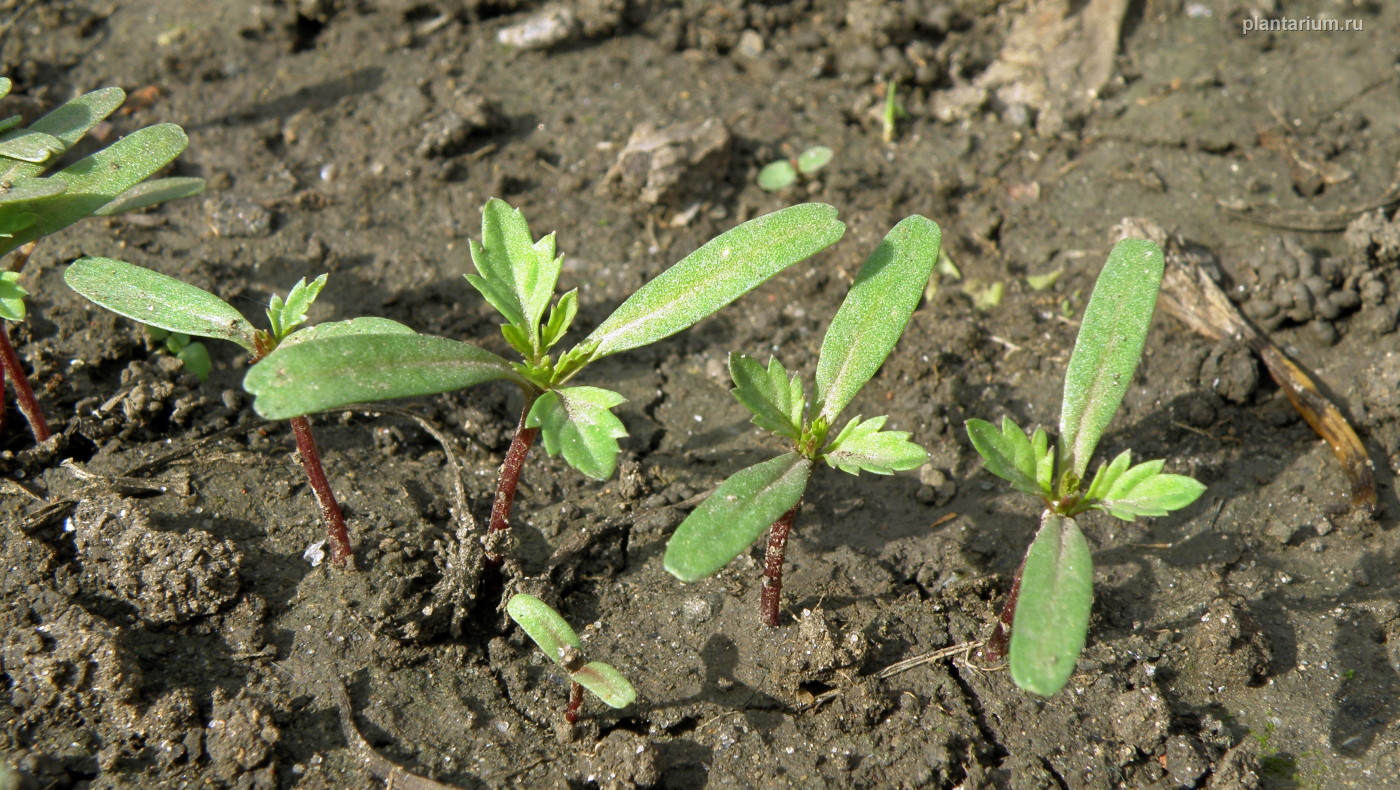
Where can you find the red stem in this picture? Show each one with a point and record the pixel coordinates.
(342, 555)
(1000, 641)
(509, 478)
(575, 703)
(28, 404)
(773, 566)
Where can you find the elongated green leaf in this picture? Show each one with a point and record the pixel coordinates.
(561, 317)
(97, 180)
(158, 300)
(725, 268)
(11, 297)
(517, 274)
(28, 145)
(578, 422)
(149, 193)
(26, 189)
(1109, 473)
(1052, 611)
(326, 373)
(607, 683)
(735, 515)
(69, 122)
(1008, 454)
(863, 447)
(366, 325)
(10, 122)
(1109, 346)
(1147, 493)
(12, 222)
(1045, 461)
(875, 312)
(546, 627)
(774, 398)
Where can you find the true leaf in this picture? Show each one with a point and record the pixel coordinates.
(157, 299)
(1151, 494)
(863, 447)
(1109, 346)
(578, 422)
(1045, 461)
(329, 372)
(1109, 473)
(561, 317)
(1052, 610)
(291, 313)
(876, 309)
(607, 683)
(545, 627)
(1008, 454)
(11, 297)
(725, 268)
(149, 193)
(774, 398)
(735, 515)
(517, 275)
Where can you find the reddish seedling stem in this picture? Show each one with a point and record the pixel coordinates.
(342, 555)
(773, 566)
(509, 477)
(575, 703)
(1000, 641)
(28, 404)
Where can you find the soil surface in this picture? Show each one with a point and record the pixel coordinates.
(163, 624)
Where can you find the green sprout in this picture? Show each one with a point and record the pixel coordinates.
(517, 275)
(767, 495)
(894, 112)
(175, 307)
(1047, 610)
(194, 354)
(557, 640)
(782, 173)
(32, 205)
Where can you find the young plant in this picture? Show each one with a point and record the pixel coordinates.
(517, 276)
(1047, 610)
(782, 173)
(33, 205)
(768, 495)
(552, 634)
(173, 306)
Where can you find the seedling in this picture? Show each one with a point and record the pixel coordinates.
(1047, 611)
(170, 305)
(782, 173)
(767, 495)
(517, 276)
(557, 640)
(193, 353)
(894, 112)
(32, 205)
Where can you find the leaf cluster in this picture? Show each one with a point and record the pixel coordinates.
(557, 640)
(864, 331)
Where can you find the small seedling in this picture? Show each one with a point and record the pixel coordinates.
(173, 306)
(894, 112)
(767, 495)
(33, 205)
(193, 353)
(517, 275)
(548, 629)
(782, 173)
(1047, 611)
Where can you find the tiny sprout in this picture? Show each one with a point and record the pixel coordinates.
(894, 112)
(173, 309)
(1047, 611)
(782, 173)
(557, 640)
(194, 354)
(767, 495)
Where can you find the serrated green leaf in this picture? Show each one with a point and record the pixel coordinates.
(27, 145)
(1008, 454)
(725, 268)
(286, 315)
(69, 122)
(578, 422)
(150, 193)
(1106, 353)
(873, 316)
(93, 182)
(561, 317)
(157, 299)
(546, 628)
(774, 398)
(776, 175)
(365, 325)
(735, 515)
(329, 372)
(11, 297)
(863, 447)
(1137, 494)
(1108, 474)
(516, 338)
(1052, 610)
(517, 274)
(606, 683)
